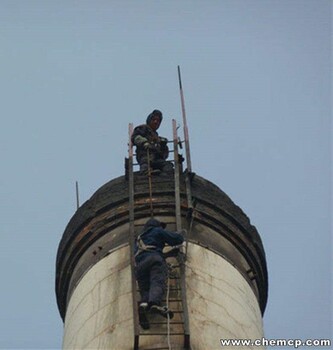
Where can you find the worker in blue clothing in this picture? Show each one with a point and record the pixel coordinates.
(151, 268)
(151, 149)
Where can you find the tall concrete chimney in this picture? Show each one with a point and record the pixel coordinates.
(226, 275)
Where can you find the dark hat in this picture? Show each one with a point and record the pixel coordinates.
(154, 113)
(154, 223)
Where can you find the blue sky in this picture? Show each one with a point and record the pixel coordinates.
(257, 83)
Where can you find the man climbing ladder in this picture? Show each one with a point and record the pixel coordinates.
(151, 268)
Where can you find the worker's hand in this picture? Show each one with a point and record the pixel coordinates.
(183, 232)
(163, 140)
(171, 253)
(148, 146)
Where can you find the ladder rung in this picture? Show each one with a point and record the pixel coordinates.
(171, 323)
(156, 179)
(163, 333)
(166, 222)
(164, 180)
(171, 290)
(144, 177)
(156, 203)
(177, 311)
(163, 348)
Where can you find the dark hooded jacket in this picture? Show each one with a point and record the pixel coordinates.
(154, 234)
(144, 133)
(149, 135)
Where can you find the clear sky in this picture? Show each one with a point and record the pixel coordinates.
(257, 84)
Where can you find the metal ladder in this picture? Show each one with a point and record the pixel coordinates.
(176, 291)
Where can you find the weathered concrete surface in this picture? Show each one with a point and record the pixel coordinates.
(100, 313)
(221, 305)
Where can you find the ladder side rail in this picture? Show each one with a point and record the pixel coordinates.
(189, 215)
(189, 174)
(179, 227)
(150, 184)
(186, 135)
(185, 308)
(177, 180)
(132, 238)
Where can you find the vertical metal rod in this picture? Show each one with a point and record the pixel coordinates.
(150, 185)
(187, 141)
(77, 195)
(132, 237)
(179, 227)
(177, 182)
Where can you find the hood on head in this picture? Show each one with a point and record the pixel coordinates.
(154, 223)
(154, 113)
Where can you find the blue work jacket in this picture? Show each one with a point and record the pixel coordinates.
(157, 237)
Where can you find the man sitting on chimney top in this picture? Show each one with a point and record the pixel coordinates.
(151, 148)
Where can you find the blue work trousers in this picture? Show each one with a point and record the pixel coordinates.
(151, 274)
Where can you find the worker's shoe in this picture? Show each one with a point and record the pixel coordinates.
(168, 168)
(161, 310)
(143, 319)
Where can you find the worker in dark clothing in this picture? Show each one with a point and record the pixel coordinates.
(151, 268)
(150, 145)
